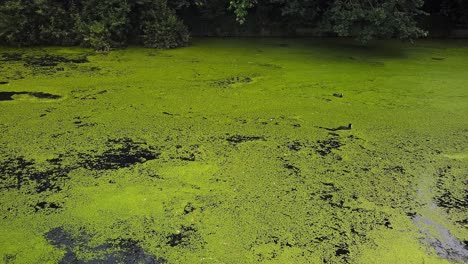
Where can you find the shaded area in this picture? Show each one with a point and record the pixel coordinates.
(11, 57)
(46, 60)
(52, 60)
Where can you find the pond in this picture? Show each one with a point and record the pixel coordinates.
(235, 151)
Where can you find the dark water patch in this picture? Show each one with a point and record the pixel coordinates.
(236, 139)
(13, 170)
(8, 96)
(463, 222)
(52, 60)
(448, 200)
(182, 238)
(293, 170)
(46, 206)
(121, 250)
(9, 258)
(50, 179)
(121, 153)
(16, 172)
(342, 251)
(129, 251)
(225, 83)
(387, 223)
(42, 95)
(331, 186)
(184, 153)
(60, 238)
(11, 57)
(330, 194)
(294, 146)
(411, 214)
(83, 95)
(79, 122)
(326, 197)
(189, 208)
(190, 157)
(447, 196)
(397, 169)
(325, 147)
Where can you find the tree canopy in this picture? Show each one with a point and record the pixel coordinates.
(103, 24)
(364, 19)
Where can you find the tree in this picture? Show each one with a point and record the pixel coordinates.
(100, 24)
(160, 27)
(364, 19)
(24, 22)
(374, 19)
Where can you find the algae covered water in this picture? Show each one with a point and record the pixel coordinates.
(235, 151)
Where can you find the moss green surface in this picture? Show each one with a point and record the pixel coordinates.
(220, 153)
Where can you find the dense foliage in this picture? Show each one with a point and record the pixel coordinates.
(365, 19)
(92, 23)
(103, 24)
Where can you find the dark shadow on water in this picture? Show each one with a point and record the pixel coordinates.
(52, 60)
(374, 49)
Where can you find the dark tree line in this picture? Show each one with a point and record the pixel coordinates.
(102, 24)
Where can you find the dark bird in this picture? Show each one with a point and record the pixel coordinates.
(339, 95)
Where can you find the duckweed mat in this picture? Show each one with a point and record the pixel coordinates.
(235, 151)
